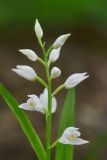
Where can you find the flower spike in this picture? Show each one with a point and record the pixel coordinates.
(46, 102)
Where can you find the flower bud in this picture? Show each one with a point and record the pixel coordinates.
(26, 72)
(29, 54)
(55, 72)
(59, 42)
(54, 55)
(75, 79)
(38, 30)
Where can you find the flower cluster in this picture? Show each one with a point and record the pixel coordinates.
(41, 103)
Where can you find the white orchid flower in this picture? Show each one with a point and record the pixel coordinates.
(38, 29)
(59, 42)
(71, 136)
(40, 103)
(55, 72)
(29, 54)
(26, 72)
(54, 55)
(33, 104)
(75, 79)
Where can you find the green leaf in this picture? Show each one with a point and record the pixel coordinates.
(65, 152)
(24, 122)
(96, 147)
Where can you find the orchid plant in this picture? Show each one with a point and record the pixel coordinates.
(46, 102)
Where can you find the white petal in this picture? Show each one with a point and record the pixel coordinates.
(20, 73)
(59, 42)
(45, 92)
(44, 101)
(17, 71)
(77, 75)
(25, 106)
(54, 55)
(54, 104)
(55, 72)
(71, 131)
(34, 100)
(34, 97)
(63, 140)
(25, 68)
(44, 98)
(38, 29)
(75, 79)
(78, 141)
(29, 54)
(26, 72)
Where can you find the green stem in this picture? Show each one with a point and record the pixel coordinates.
(42, 45)
(48, 116)
(54, 144)
(41, 81)
(41, 61)
(49, 50)
(58, 89)
(48, 123)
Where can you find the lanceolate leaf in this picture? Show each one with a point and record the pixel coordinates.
(65, 152)
(24, 122)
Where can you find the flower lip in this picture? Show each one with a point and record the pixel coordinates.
(71, 132)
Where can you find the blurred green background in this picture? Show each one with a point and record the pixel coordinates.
(86, 50)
